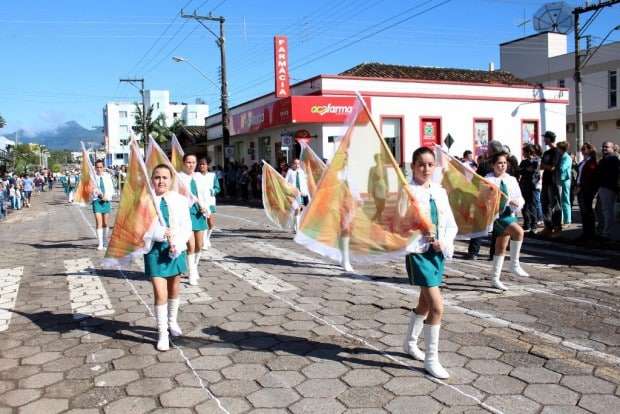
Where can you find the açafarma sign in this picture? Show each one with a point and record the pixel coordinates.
(280, 51)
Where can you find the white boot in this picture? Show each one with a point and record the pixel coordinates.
(416, 323)
(193, 270)
(105, 236)
(346, 260)
(173, 311)
(431, 360)
(206, 240)
(161, 313)
(515, 266)
(100, 239)
(498, 262)
(197, 257)
(297, 222)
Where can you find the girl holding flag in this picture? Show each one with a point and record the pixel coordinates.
(425, 262)
(198, 213)
(166, 258)
(505, 226)
(101, 197)
(208, 187)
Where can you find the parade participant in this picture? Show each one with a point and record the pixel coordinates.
(166, 258)
(505, 226)
(425, 263)
(197, 214)
(101, 202)
(296, 177)
(208, 188)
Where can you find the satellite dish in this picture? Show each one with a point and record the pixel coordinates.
(554, 17)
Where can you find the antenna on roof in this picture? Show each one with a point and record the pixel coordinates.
(524, 22)
(554, 17)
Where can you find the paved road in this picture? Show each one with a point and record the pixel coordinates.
(273, 328)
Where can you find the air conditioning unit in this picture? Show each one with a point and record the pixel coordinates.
(591, 126)
(570, 128)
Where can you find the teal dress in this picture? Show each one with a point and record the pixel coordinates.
(100, 206)
(506, 218)
(426, 269)
(215, 191)
(199, 221)
(157, 262)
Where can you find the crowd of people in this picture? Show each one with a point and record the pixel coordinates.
(16, 190)
(551, 182)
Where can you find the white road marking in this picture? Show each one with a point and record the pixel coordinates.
(254, 276)
(450, 300)
(88, 296)
(237, 269)
(9, 286)
(200, 380)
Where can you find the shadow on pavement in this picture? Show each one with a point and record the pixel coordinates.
(327, 348)
(64, 322)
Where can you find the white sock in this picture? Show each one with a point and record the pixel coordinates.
(197, 256)
(105, 234)
(191, 260)
(209, 234)
(100, 236)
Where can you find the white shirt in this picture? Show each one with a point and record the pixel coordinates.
(205, 184)
(514, 191)
(186, 179)
(108, 186)
(447, 227)
(180, 223)
(291, 178)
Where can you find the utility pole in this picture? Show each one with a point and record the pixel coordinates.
(578, 65)
(132, 82)
(220, 41)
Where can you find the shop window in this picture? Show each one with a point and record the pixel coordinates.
(561, 83)
(391, 130)
(122, 114)
(483, 133)
(613, 88)
(264, 148)
(529, 132)
(591, 126)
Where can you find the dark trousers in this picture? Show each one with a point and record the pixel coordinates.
(474, 245)
(585, 199)
(529, 208)
(552, 209)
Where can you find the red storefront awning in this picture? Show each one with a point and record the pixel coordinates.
(295, 109)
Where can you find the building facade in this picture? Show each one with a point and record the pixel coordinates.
(543, 59)
(119, 119)
(412, 106)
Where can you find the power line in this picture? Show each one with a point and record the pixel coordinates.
(157, 40)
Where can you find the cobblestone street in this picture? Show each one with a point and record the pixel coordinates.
(273, 328)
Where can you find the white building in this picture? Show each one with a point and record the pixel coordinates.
(119, 118)
(413, 106)
(543, 58)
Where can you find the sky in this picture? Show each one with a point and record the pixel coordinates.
(62, 60)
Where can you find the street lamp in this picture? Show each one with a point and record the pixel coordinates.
(600, 44)
(180, 59)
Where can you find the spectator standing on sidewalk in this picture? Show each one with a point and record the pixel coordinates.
(566, 166)
(539, 211)
(28, 187)
(528, 181)
(551, 190)
(586, 190)
(2, 201)
(607, 176)
(468, 159)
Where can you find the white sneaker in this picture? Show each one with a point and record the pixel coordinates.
(348, 268)
(100, 247)
(193, 280)
(174, 329)
(163, 341)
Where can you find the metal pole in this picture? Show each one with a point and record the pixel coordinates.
(578, 90)
(225, 125)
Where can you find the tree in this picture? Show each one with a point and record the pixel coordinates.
(24, 157)
(2, 122)
(157, 127)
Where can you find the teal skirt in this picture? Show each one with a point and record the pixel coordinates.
(199, 221)
(158, 263)
(503, 221)
(102, 207)
(425, 269)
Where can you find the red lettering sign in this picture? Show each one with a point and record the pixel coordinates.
(280, 52)
(324, 109)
